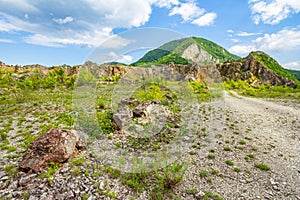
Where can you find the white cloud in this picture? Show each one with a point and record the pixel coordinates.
(58, 23)
(166, 3)
(114, 57)
(64, 20)
(230, 31)
(6, 41)
(246, 34)
(125, 59)
(292, 65)
(7, 27)
(85, 22)
(116, 42)
(284, 40)
(190, 12)
(205, 20)
(273, 11)
(88, 39)
(241, 49)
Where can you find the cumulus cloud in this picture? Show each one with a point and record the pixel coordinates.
(165, 3)
(272, 11)
(241, 49)
(282, 41)
(125, 59)
(206, 20)
(190, 12)
(86, 23)
(292, 65)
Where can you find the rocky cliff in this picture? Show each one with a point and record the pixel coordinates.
(253, 71)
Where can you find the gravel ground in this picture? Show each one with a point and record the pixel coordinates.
(246, 131)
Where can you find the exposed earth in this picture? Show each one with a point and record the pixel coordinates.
(256, 155)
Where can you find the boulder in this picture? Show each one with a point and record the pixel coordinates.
(122, 117)
(54, 146)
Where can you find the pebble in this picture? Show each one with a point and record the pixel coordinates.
(26, 179)
(4, 178)
(92, 198)
(200, 194)
(2, 174)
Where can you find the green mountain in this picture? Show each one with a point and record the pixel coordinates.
(185, 50)
(296, 73)
(273, 65)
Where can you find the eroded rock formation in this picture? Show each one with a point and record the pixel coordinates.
(54, 146)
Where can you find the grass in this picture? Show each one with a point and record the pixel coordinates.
(236, 169)
(203, 173)
(227, 148)
(211, 196)
(53, 167)
(214, 171)
(229, 162)
(262, 166)
(77, 162)
(242, 142)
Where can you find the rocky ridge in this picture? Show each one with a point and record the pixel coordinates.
(250, 70)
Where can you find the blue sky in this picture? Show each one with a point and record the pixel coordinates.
(67, 31)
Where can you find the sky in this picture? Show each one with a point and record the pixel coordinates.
(68, 31)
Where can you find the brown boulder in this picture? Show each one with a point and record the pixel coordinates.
(53, 146)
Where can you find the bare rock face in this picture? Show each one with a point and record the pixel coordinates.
(54, 146)
(253, 71)
(199, 55)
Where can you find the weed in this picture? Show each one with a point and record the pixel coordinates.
(75, 171)
(191, 191)
(203, 173)
(53, 167)
(11, 169)
(262, 166)
(227, 148)
(242, 142)
(26, 195)
(85, 196)
(229, 162)
(236, 169)
(211, 156)
(210, 195)
(77, 161)
(192, 152)
(214, 171)
(114, 173)
(251, 155)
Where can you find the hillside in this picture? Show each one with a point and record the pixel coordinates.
(257, 69)
(272, 64)
(184, 50)
(296, 73)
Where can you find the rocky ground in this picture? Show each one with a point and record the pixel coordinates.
(253, 154)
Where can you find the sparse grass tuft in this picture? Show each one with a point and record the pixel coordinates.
(262, 166)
